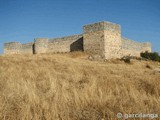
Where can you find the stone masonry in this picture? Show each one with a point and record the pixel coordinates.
(98, 39)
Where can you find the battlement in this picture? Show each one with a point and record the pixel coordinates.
(101, 39)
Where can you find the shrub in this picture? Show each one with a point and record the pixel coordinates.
(126, 59)
(151, 56)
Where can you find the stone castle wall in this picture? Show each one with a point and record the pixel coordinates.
(18, 48)
(27, 48)
(12, 48)
(99, 39)
(133, 48)
(66, 44)
(45, 45)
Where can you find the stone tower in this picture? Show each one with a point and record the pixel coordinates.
(103, 38)
(40, 45)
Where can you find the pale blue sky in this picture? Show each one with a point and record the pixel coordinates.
(24, 20)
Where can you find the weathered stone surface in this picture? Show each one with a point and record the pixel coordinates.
(66, 44)
(112, 44)
(133, 48)
(101, 39)
(94, 43)
(27, 48)
(41, 45)
(12, 48)
(99, 26)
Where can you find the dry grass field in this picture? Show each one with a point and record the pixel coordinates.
(71, 87)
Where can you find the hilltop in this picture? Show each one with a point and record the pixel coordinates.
(71, 87)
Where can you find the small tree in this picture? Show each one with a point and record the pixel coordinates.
(154, 56)
(151, 56)
(145, 54)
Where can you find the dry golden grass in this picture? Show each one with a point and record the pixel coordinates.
(70, 87)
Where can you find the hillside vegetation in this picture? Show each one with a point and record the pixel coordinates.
(70, 87)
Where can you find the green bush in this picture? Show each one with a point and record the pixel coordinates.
(151, 56)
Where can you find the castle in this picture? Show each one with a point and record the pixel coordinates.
(102, 38)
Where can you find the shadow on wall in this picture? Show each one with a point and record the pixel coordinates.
(33, 48)
(77, 45)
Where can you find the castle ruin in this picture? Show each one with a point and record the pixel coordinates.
(103, 39)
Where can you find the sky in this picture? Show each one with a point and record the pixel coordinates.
(24, 20)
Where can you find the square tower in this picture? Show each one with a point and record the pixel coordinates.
(102, 38)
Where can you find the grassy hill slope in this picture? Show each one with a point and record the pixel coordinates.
(70, 87)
